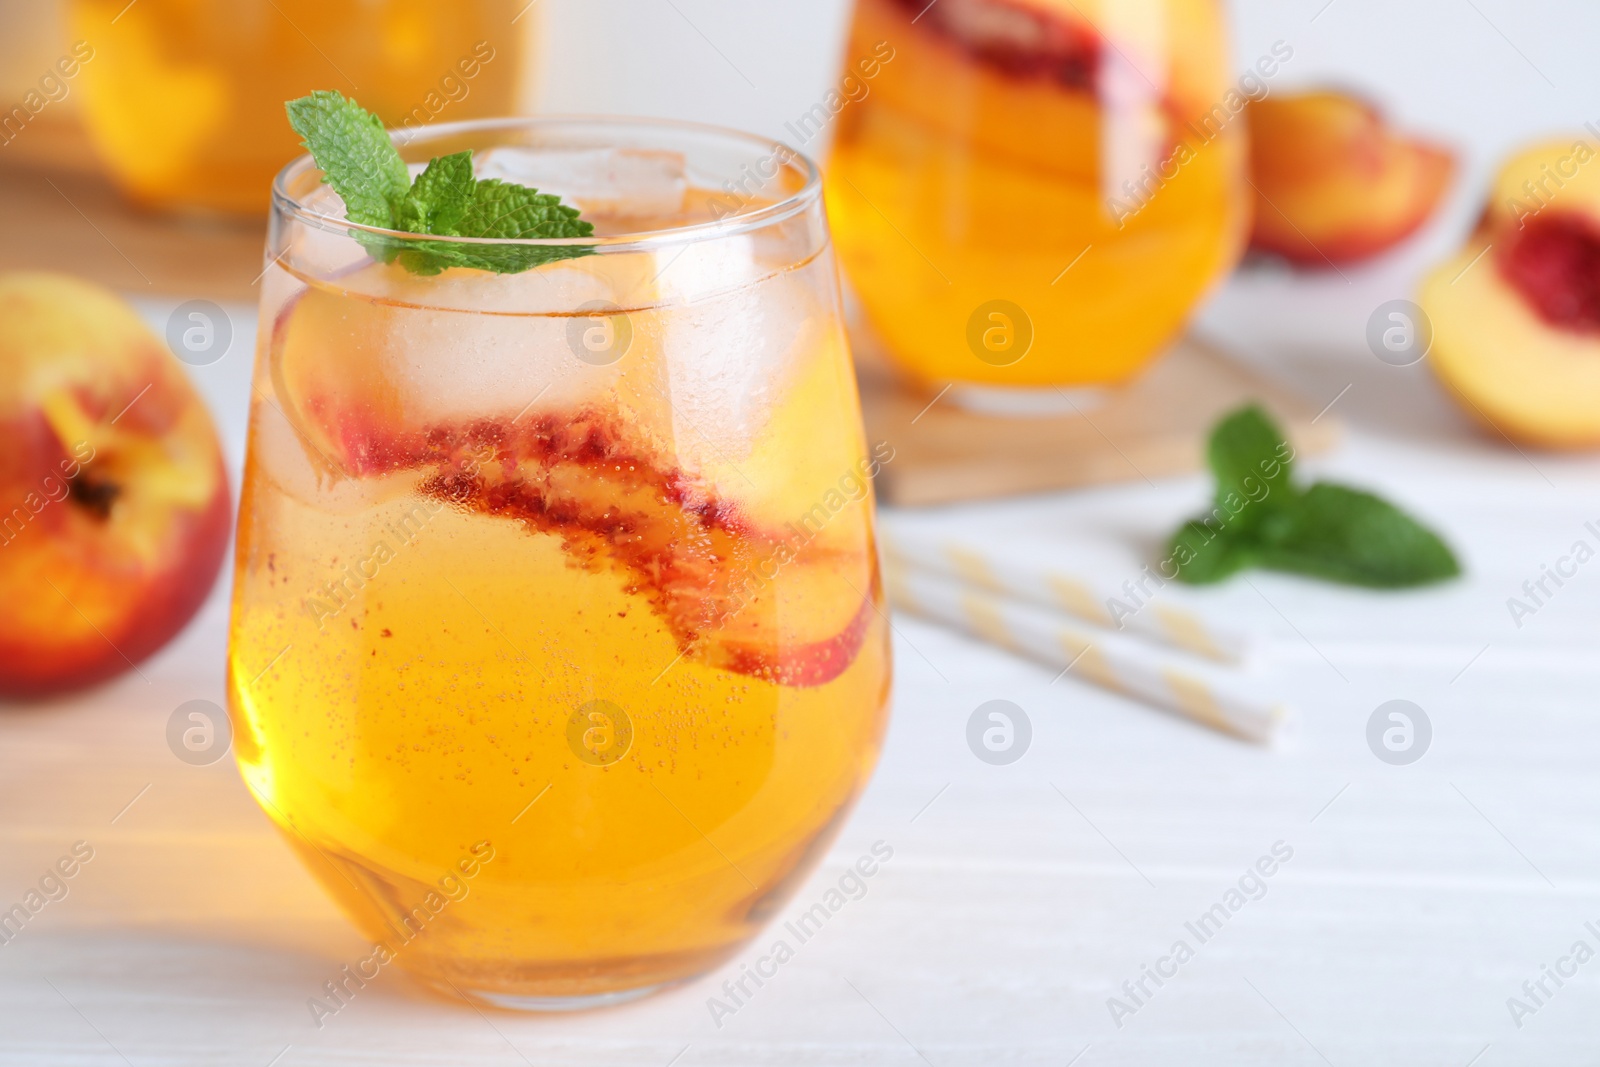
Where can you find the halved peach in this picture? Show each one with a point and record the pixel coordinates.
(1549, 175)
(1333, 182)
(1516, 313)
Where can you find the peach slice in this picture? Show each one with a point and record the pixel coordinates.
(581, 465)
(114, 505)
(1334, 183)
(1516, 313)
(1024, 40)
(1006, 102)
(1026, 80)
(735, 596)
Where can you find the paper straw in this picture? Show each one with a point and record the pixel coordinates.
(1121, 663)
(1076, 593)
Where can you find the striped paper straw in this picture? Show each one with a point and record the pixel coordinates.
(1090, 598)
(1121, 663)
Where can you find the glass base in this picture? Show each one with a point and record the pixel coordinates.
(1032, 402)
(511, 1002)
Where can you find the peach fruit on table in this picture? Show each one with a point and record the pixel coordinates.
(1335, 184)
(114, 504)
(1516, 313)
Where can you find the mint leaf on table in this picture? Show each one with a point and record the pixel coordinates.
(1346, 535)
(362, 165)
(1260, 518)
(1253, 465)
(1202, 557)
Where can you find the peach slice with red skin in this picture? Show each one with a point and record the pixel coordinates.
(1516, 313)
(114, 504)
(733, 594)
(695, 558)
(1022, 39)
(1023, 80)
(1334, 183)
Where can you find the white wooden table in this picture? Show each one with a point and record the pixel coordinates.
(1020, 898)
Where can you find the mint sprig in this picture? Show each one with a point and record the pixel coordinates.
(440, 195)
(1259, 518)
(362, 165)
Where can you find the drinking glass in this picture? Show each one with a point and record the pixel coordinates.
(557, 646)
(1035, 192)
(184, 98)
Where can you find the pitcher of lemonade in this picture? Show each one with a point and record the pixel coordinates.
(184, 98)
(1036, 192)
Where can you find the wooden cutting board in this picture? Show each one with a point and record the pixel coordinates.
(1153, 426)
(59, 212)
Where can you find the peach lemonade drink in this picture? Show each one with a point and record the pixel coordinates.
(1036, 192)
(561, 577)
(184, 98)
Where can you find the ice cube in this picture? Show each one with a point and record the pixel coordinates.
(391, 354)
(510, 352)
(603, 183)
(728, 337)
(697, 269)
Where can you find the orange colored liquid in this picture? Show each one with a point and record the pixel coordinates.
(986, 163)
(184, 98)
(534, 635)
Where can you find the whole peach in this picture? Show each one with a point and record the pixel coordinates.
(114, 504)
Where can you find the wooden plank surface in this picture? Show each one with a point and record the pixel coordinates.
(59, 212)
(1153, 426)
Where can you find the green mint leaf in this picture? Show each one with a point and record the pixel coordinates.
(431, 257)
(1204, 554)
(1260, 519)
(1347, 535)
(440, 195)
(1253, 464)
(358, 160)
(499, 209)
(361, 164)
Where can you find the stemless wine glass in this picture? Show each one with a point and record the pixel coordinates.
(557, 646)
(184, 98)
(1036, 192)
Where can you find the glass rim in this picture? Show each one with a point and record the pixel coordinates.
(742, 221)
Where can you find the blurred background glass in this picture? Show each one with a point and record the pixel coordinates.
(184, 98)
(1019, 152)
